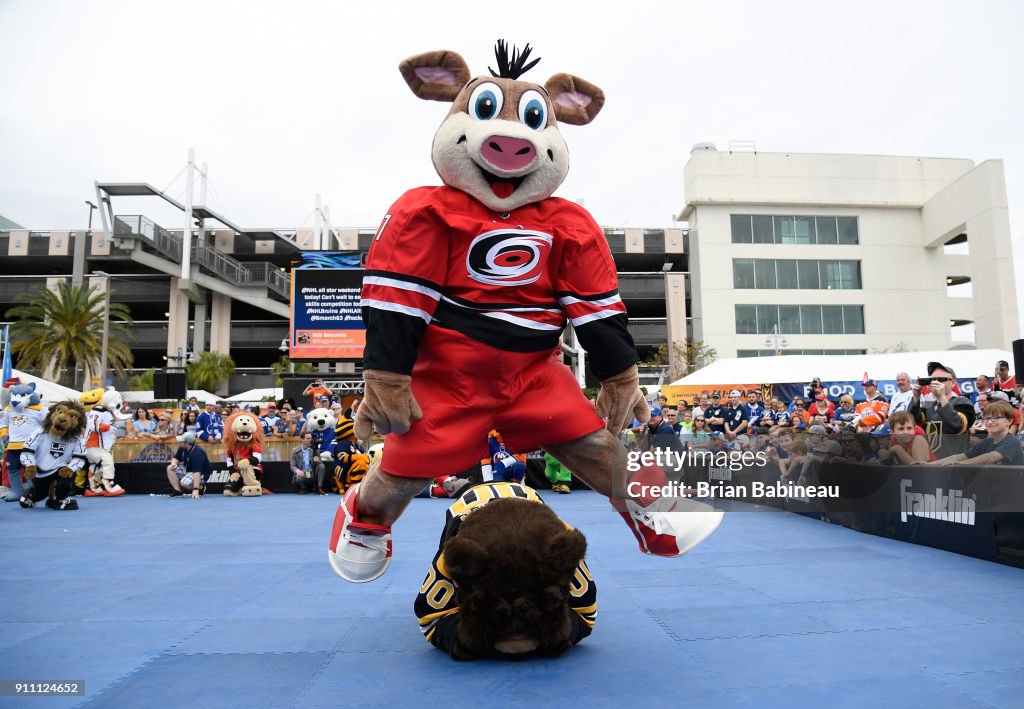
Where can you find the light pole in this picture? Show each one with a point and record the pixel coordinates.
(106, 325)
(776, 341)
(284, 350)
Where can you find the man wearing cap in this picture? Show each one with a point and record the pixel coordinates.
(873, 411)
(736, 416)
(1003, 379)
(659, 434)
(945, 416)
(273, 424)
(187, 468)
(714, 414)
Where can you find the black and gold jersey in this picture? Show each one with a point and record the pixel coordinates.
(437, 604)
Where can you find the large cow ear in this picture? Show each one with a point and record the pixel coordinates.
(576, 100)
(435, 76)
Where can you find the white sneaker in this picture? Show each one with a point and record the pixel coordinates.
(669, 533)
(358, 552)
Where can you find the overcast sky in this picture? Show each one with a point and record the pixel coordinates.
(286, 100)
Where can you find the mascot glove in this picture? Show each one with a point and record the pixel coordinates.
(388, 404)
(30, 472)
(65, 472)
(620, 400)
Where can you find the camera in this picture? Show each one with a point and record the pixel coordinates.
(924, 381)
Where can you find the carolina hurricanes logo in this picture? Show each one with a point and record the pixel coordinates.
(508, 257)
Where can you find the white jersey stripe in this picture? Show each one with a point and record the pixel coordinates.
(510, 309)
(403, 285)
(570, 300)
(522, 322)
(396, 308)
(599, 315)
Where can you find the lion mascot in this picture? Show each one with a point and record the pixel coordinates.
(243, 446)
(22, 416)
(52, 455)
(467, 289)
(102, 409)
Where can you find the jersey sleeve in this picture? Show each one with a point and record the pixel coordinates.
(403, 281)
(587, 288)
(582, 602)
(437, 607)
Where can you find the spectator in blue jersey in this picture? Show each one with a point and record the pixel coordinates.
(715, 414)
(211, 425)
(736, 417)
(754, 408)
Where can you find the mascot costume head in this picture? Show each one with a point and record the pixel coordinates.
(243, 446)
(500, 142)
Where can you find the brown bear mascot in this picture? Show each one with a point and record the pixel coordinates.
(243, 447)
(508, 579)
(468, 287)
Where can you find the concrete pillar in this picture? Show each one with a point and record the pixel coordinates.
(177, 324)
(675, 317)
(220, 324)
(199, 328)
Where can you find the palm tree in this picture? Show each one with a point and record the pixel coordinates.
(285, 365)
(63, 330)
(141, 382)
(209, 370)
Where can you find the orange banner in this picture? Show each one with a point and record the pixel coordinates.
(675, 392)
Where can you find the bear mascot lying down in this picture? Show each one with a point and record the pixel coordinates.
(508, 579)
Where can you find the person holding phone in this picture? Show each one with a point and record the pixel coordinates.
(945, 416)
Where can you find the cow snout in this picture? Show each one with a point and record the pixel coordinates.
(507, 153)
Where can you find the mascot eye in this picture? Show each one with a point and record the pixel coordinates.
(533, 110)
(486, 101)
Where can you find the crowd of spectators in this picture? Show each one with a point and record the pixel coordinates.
(927, 421)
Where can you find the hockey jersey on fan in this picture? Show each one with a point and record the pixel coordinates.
(437, 604)
(49, 453)
(510, 281)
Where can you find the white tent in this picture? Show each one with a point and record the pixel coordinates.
(256, 396)
(836, 368)
(145, 396)
(47, 389)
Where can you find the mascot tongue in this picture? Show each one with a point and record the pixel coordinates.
(502, 190)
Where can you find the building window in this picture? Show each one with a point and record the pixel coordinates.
(743, 273)
(741, 233)
(791, 274)
(792, 229)
(800, 319)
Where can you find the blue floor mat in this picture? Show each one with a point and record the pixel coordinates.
(159, 602)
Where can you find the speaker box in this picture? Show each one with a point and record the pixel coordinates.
(169, 385)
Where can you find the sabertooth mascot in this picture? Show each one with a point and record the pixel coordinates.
(467, 289)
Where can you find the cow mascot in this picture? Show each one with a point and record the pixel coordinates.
(52, 455)
(102, 409)
(243, 446)
(467, 288)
